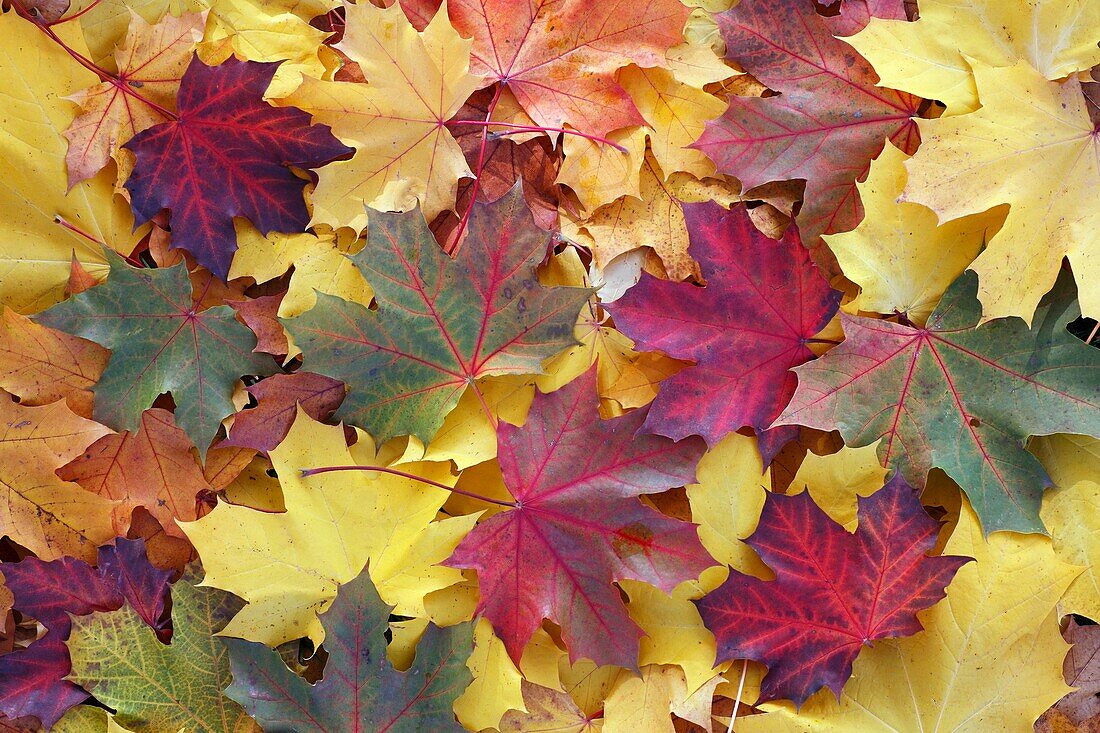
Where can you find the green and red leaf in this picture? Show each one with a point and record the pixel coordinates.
(440, 324)
(360, 691)
(959, 397)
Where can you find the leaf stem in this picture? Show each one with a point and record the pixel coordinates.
(87, 63)
(740, 690)
(823, 341)
(58, 219)
(461, 228)
(393, 471)
(515, 129)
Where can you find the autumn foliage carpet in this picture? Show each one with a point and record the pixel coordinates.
(637, 366)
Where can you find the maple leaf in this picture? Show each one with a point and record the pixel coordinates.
(744, 330)
(152, 467)
(964, 673)
(546, 709)
(154, 687)
(195, 355)
(1039, 157)
(932, 56)
(264, 426)
(441, 323)
(959, 398)
(834, 592)
(360, 691)
(151, 61)
(504, 162)
(32, 680)
(559, 58)
(403, 152)
(828, 122)
(228, 154)
(577, 526)
(268, 31)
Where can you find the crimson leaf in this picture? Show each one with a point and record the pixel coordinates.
(825, 126)
(577, 526)
(744, 330)
(833, 593)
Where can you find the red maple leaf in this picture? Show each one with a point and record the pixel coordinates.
(833, 592)
(825, 126)
(745, 330)
(577, 526)
(228, 154)
(32, 680)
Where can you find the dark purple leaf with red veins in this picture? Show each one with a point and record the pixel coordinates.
(833, 592)
(32, 680)
(825, 126)
(227, 155)
(144, 586)
(744, 330)
(277, 398)
(578, 526)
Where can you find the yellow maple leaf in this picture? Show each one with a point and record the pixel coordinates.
(674, 631)
(547, 710)
(1069, 512)
(989, 659)
(269, 30)
(676, 114)
(647, 703)
(320, 265)
(836, 481)
(288, 565)
(150, 60)
(50, 517)
(654, 219)
(1033, 146)
(599, 173)
(403, 152)
(42, 225)
(929, 57)
(898, 256)
(726, 504)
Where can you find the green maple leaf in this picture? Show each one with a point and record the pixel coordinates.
(960, 397)
(441, 323)
(360, 689)
(159, 343)
(155, 687)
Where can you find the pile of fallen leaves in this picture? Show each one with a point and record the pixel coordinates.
(562, 365)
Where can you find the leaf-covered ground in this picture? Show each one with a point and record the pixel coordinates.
(563, 365)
